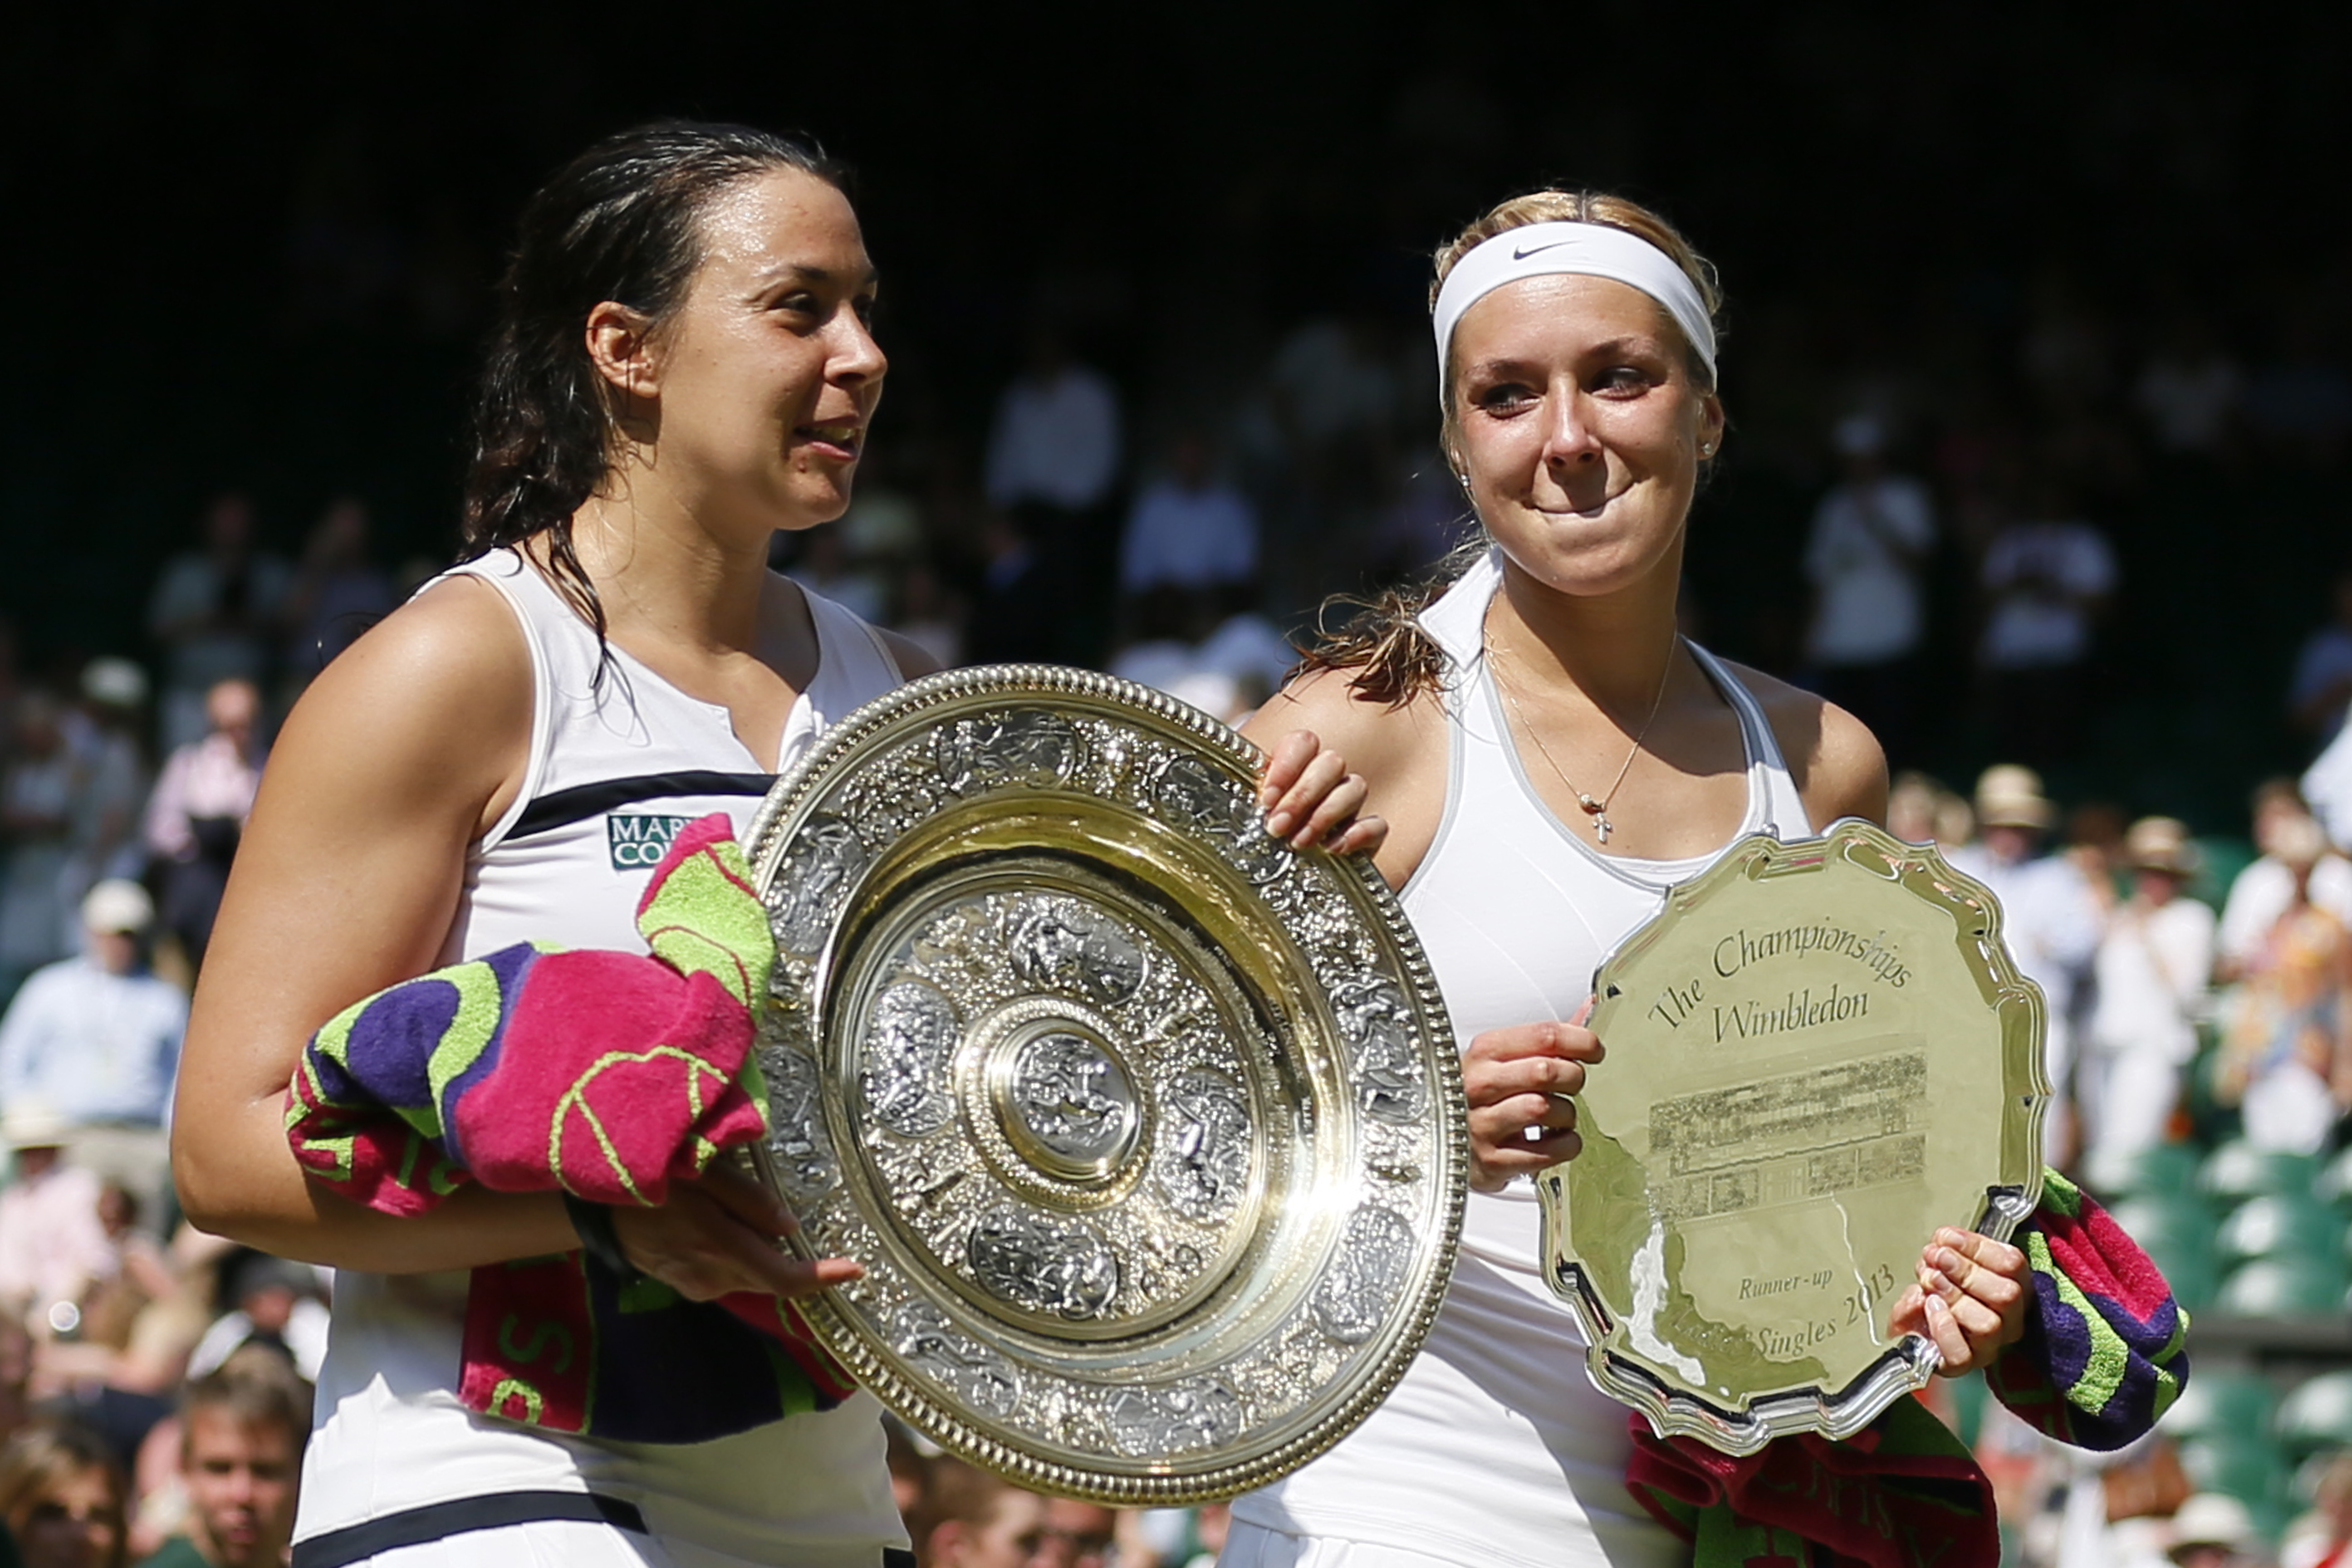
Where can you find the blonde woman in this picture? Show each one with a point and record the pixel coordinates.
(1550, 756)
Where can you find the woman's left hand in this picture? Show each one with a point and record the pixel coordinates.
(1309, 797)
(1970, 1299)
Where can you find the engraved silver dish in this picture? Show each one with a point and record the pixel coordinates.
(1147, 1129)
(1819, 1052)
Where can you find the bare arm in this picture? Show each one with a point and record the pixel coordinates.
(395, 761)
(1398, 753)
(402, 755)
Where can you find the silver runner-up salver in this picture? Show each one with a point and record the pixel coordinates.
(1148, 1129)
(1818, 1053)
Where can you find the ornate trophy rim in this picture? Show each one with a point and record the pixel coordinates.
(1911, 1362)
(1327, 1412)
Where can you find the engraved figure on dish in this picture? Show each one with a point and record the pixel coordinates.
(1025, 1258)
(975, 1376)
(903, 1070)
(1203, 1159)
(1073, 1097)
(1026, 746)
(1060, 944)
(811, 884)
(797, 1141)
(1354, 1297)
(1195, 795)
(1390, 1083)
(1198, 1413)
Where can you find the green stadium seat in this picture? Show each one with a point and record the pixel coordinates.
(2316, 1416)
(2282, 1224)
(2284, 1288)
(2177, 1231)
(2168, 1168)
(2220, 1401)
(2247, 1465)
(2238, 1170)
(2334, 1185)
(2221, 857)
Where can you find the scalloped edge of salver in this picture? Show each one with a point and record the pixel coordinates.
(841, 1331)
(1912, 1360)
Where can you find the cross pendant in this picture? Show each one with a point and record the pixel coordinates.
(1601, 828)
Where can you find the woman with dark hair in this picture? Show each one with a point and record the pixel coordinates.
(682, 366)
(1552, 755)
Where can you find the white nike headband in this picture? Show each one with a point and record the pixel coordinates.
(1584, 249)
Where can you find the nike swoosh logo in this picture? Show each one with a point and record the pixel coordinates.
(1519, 254)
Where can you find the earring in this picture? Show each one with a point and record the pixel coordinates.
(1707, 449)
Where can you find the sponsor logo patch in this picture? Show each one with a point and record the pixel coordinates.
(639, 840)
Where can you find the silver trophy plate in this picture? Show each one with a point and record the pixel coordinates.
(1147, 1129)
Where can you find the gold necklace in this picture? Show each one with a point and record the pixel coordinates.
(1596, 810)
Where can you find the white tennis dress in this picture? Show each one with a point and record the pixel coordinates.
(1496, 1451)
(616, 770)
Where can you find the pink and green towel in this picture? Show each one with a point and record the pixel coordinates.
(2103, 1354)
(605, 1075)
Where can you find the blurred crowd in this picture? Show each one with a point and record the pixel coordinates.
(1960, 580)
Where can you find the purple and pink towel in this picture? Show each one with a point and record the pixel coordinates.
(605, 1074)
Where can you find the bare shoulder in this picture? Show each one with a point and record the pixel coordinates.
(914, 659)
(1836, 763)
(1377, 739)
(434, 702)
(1399, 750)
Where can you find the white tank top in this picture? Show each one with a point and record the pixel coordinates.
(616, 769)
(1496, 1447)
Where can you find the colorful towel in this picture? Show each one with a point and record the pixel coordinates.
(2104, 1347)
(1903, 1493)
(2102, 1357)
(605, 1074)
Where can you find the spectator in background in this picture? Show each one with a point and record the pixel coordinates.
(2322, 1538)
(241, 1435)
(37, 795)
(2152, 970)
(2286, 1049)
(1869, 546)
(198, 810)
(338, 593)
(104, 733)
(2322, 687)
(97, 1040)
(61, 1496)
(277, 1309)
(2265, 888)
(2189, 392)
(1053, 461)
(2045, 584)
(1189, 532)
(53, 1245)
(976, 1520)
(217, 614)
(1077, 1534)
(2051, 915)
(2213, 1529)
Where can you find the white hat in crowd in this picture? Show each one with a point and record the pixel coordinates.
(116, 682)
(2214, 1519)
(116, 905)
(30, 1124)
(2010, 796)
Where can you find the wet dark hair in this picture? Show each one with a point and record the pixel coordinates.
(620, 222)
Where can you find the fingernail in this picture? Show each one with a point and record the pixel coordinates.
(1278, 825)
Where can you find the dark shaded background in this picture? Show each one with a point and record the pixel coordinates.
(252, 246)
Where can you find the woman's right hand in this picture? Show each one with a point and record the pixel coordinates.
(717, 1234)
(1517, 1081)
